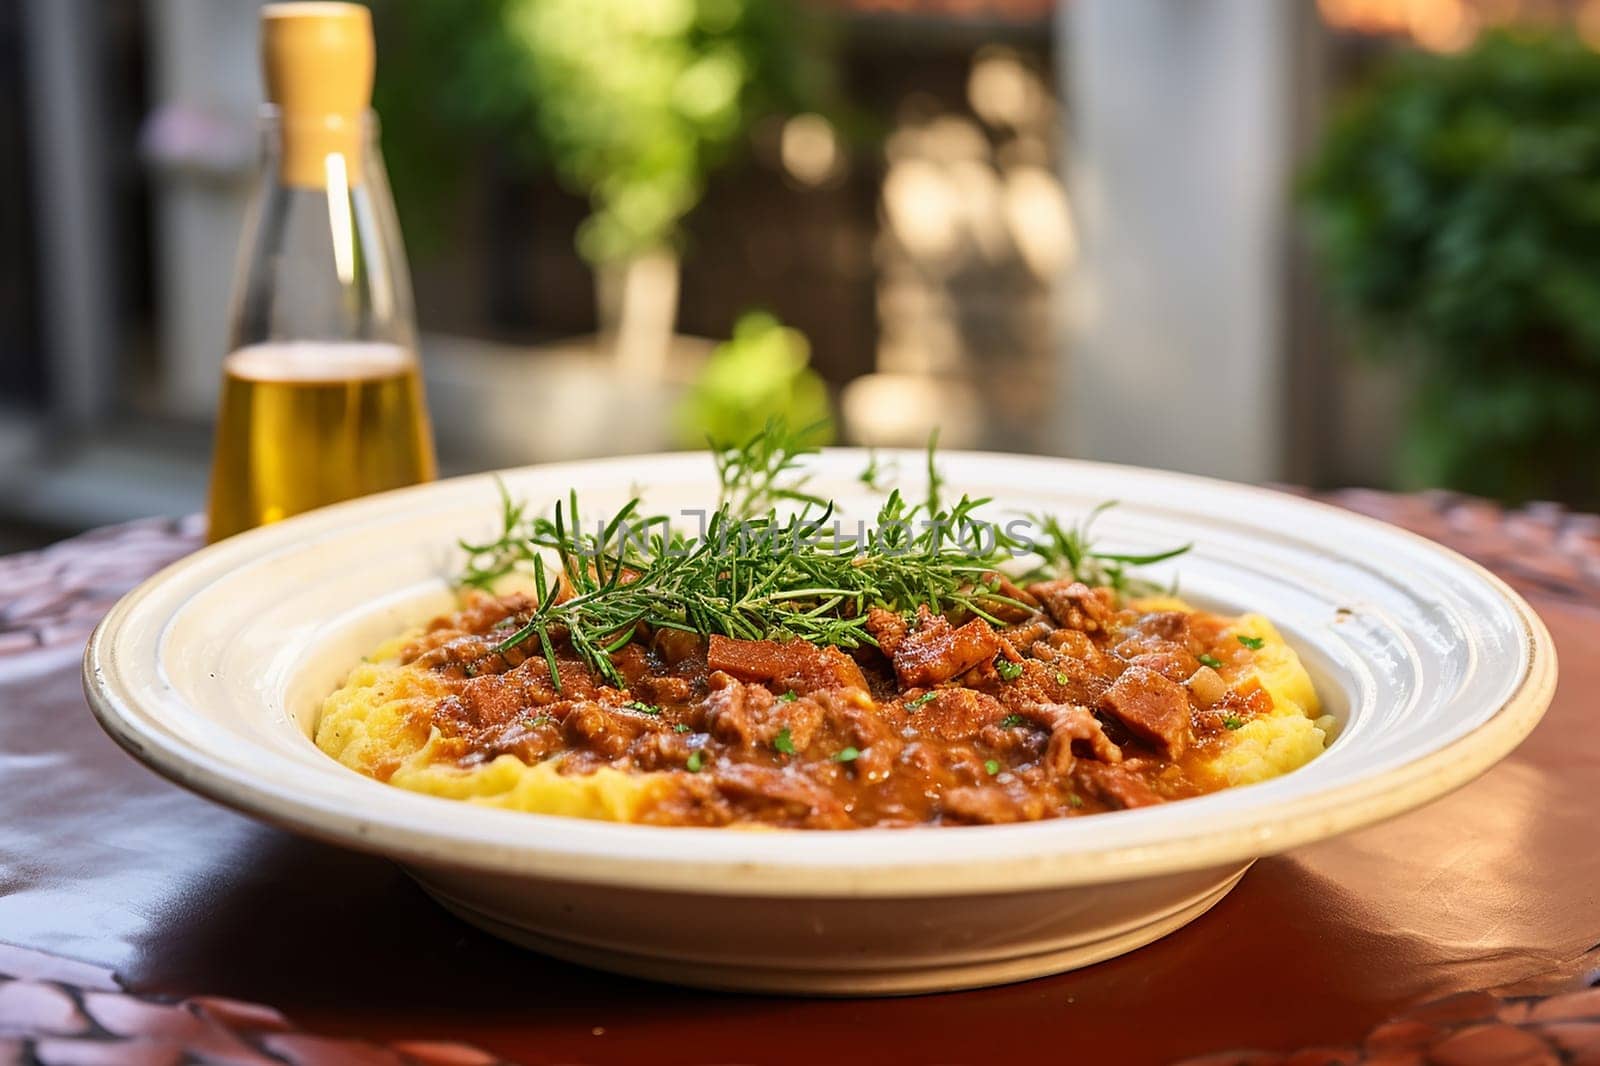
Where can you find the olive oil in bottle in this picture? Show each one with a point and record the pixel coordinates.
(322, 395)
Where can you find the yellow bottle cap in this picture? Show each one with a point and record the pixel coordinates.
(317, 61)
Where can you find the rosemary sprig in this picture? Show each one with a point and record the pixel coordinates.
(1068, 551)
(758, 575)
(935, 477)
(764, 578)
(764, 471)
(488, 562)
(875, 475)
(752, 477)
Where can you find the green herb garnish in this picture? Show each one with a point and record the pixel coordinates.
(873, 475)
(935, 477)
(1253, 643)
(750, 574)
(1007, 669)
(682, 727)
(1068, 551)
(992, 766)
(764, 470)
(751, 580)
(1062, 679)
(1210, 660)
(536, 722)
(847, 755)
(789, 697)
(912, 705)
(1230, 722)
(1074, 800)
(1011, 720)
(697, 759)
(783, 742)
(642, 707)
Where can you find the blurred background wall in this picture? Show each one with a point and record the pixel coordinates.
(1086, 227)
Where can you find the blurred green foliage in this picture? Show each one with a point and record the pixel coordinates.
(1456, 209)
(762, 373)
(632, 103)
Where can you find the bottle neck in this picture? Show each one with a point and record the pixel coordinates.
(330, 152)
(322, 257)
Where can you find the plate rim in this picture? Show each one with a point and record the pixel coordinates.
(1263, 830)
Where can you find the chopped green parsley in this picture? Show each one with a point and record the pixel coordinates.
(642, 707)
(1211, 661)
(697, 759)
(1253, 643)
(1007, 669)
(1230, 722)
(1012, 720)
(912, 705)
(783, 742)
(992, 766)
(850, 754)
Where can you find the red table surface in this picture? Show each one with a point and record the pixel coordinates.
(103, 862)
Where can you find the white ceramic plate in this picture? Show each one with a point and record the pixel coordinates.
(212, 673)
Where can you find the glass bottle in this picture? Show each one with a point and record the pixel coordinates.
(322, 395)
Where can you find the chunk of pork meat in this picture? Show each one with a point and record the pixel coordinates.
(1152, 708)
(795, 665)
(1070, 723)
(935, 651)
(888, 628)
(1114, 785)
(1075, 605)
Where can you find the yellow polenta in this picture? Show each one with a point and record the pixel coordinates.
(1294, 733)
(379, 723)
